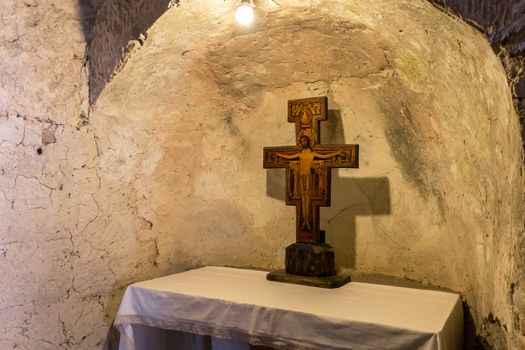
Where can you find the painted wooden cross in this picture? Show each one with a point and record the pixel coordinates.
(308, 165)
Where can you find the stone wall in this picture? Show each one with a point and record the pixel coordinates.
(420, 91)
(119, 27)
(54, 280)
(165, 173)
(503, 22)
(114, 28)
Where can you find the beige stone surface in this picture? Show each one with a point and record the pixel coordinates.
(435, 198)
(165, 173)
(48, 178)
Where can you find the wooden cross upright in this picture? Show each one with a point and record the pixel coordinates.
(308, 174)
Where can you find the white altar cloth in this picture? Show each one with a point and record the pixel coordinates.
(241, 304)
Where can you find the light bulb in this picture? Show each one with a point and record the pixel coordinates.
(244, 14)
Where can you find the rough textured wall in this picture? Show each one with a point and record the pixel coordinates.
(503, 22)
(439, 194)
(166, 174)
(114, 29)
(51, 297)
(119, 27)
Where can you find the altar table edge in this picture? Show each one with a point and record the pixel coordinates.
(180, 302)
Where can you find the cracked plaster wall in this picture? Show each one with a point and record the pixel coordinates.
(55, 276)
(166, 172)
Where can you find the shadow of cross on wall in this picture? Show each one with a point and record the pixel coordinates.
(351, 196)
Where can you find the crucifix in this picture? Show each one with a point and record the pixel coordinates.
(308, 178)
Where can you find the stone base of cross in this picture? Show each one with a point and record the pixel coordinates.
(308, 178)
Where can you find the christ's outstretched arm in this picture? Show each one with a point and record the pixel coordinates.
(326, 155)
(286, 156)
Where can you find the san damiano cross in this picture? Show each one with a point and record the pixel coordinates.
(308, 164)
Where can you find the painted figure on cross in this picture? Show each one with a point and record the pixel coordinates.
(304, 172)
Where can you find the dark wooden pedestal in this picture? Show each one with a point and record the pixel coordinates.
(311, 265)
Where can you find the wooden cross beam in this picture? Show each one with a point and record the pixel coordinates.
(308, 164)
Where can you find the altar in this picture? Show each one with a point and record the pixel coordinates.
(229, 308)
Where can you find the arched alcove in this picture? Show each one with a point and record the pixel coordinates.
(438, 197)
(166, 173)
(113, 29)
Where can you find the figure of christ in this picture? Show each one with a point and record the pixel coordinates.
(306, 161)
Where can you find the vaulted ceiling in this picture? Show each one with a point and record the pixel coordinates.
(114, 28)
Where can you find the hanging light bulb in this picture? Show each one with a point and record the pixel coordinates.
(244, 13)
